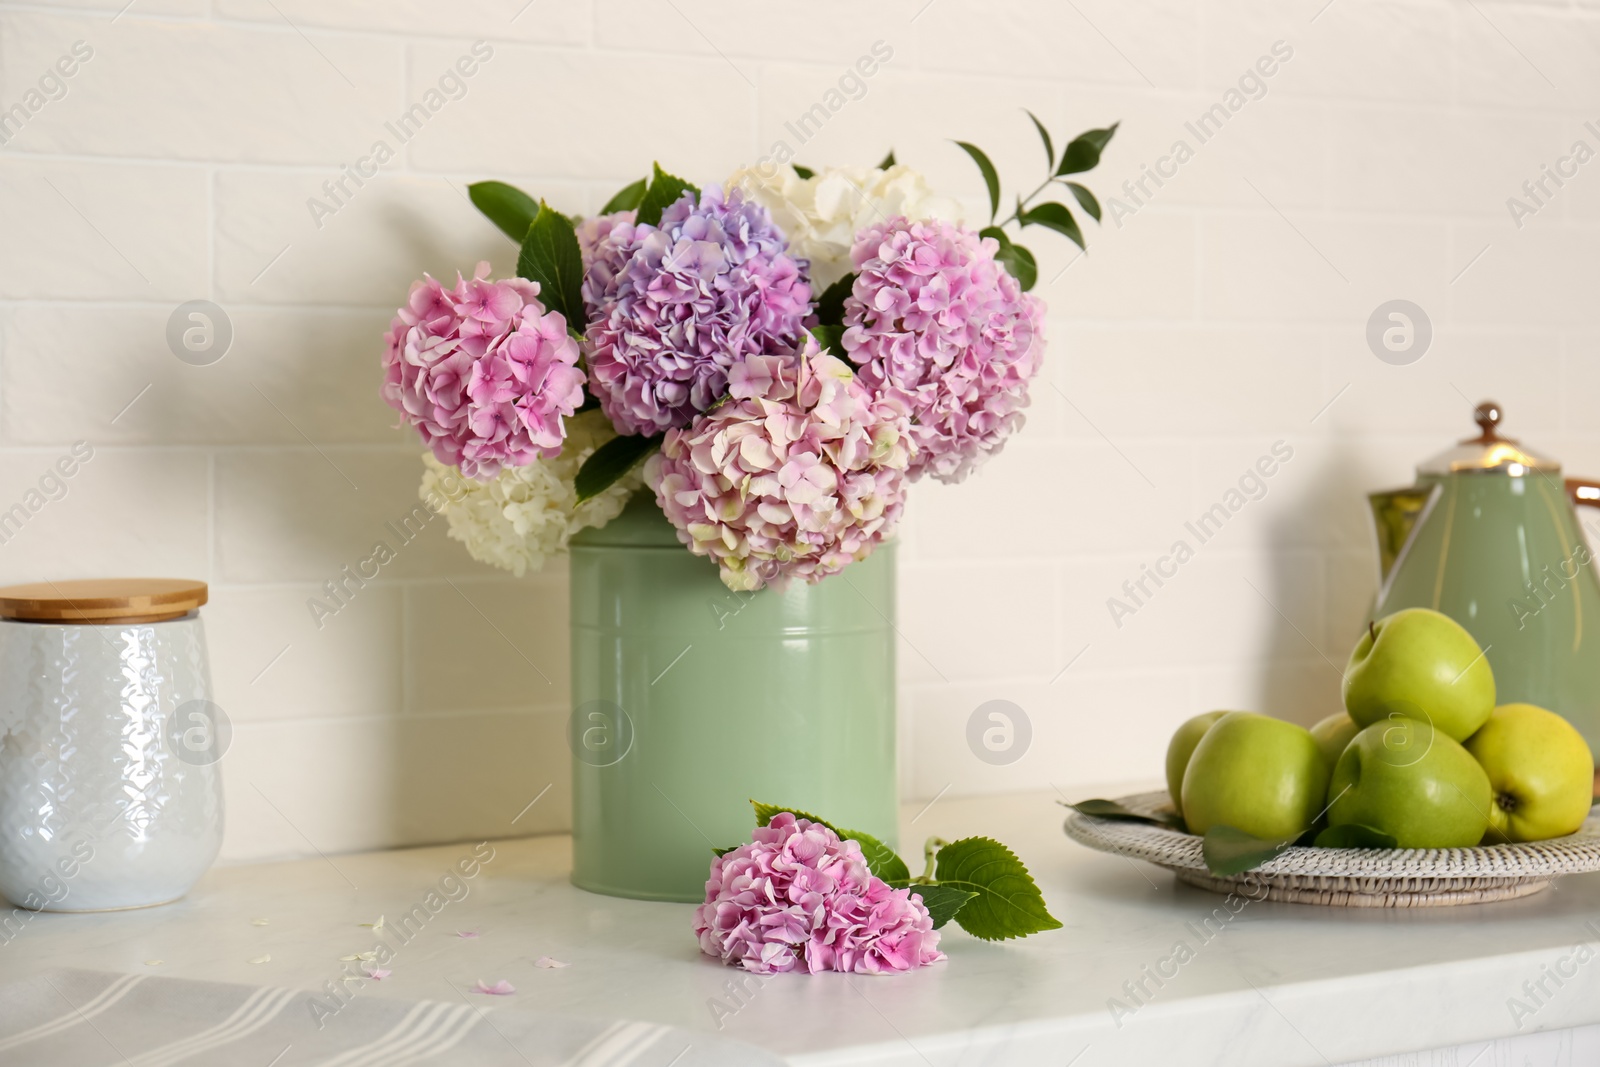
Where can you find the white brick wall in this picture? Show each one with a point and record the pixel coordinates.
(1218, 318)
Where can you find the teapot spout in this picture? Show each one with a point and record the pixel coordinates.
(1394, 518)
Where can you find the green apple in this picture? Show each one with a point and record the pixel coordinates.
(1414, 783)
(1181, 747)
(1333, 734)
(1257, 774)
(1422, 665)
(1540, 769)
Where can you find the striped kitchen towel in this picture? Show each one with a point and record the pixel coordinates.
(72, 1018)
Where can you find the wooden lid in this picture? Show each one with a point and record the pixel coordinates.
(102, 600)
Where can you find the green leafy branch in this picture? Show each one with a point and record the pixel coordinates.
(976, 881)
(1080, 154)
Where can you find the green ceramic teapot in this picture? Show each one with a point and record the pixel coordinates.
(1489, 535)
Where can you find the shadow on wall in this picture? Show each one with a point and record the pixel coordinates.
(1329, 513)
(425, 244)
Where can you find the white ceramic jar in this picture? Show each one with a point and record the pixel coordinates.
(110, 790)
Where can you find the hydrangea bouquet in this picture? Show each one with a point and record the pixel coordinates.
(776, 358)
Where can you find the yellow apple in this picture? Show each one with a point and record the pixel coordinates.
(1541, 771)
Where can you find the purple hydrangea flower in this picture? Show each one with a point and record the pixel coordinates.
(712, 284)
(603, 241)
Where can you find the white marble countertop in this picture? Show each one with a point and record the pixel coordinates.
(1282, 984)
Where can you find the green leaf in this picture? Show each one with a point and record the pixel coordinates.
(1057, 217)
(888, 161)
(664, 191)
(1229, 851)
(881, 859)
(1110, 809)
(765, 812)
(1044, 135)
(830, 339)
(627, 198)
(610, 462)
(1085, 200)
(507, 207)
(990, 178)
(720, 852)
(1007, 903)
(550, 257)
(1354, 835)
(804, 172)
(942, 901)
(1102, 137)
(1083, 152)
(1020, 262)
(830, 305)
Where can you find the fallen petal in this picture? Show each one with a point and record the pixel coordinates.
(502, 988)
(262, 959)
(154, 963)
(549, 961)
(466, 933)
(258, 922)
(376, 973)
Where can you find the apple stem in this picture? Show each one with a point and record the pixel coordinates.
(1372, 628)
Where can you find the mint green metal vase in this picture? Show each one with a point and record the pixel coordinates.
(689, 700)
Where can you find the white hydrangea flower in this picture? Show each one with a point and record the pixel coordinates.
(821, 215)
(527, 514)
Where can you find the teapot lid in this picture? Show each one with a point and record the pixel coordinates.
(1488, 451)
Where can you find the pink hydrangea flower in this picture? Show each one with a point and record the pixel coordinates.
(483, 372)
(937, 323)
(799, 898)
(712, 284)
(799, 473)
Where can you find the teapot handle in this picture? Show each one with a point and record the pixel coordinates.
(1583, 492)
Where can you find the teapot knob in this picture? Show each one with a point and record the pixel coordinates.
(1487, 415)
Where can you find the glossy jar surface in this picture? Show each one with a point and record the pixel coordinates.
(110, 793)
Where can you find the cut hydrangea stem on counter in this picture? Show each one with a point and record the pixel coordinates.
(976, 881)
